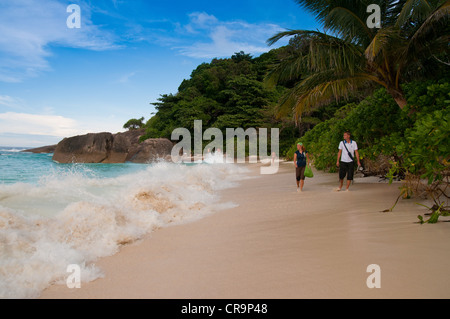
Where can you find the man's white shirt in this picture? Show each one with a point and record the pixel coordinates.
(351, 147)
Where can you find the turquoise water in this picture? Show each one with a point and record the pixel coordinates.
(22, 167)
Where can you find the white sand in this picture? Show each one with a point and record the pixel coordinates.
(282, 244)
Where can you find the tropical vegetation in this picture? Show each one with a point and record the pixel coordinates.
(412, 42)
(390, 86)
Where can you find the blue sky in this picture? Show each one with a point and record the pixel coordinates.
(57, 82)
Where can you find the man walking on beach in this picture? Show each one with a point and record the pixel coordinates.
(346, 159)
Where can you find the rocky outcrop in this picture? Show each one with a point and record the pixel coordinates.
(150, 150)
(90, 148)
(43, 149)
(111, 148)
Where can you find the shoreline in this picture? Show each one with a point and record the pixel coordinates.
(282, 244)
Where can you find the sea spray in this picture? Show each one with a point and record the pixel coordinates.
(75, 217)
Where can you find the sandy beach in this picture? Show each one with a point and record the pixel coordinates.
(279, 243)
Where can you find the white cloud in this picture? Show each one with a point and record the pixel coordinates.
(28, 28)
(55, 125)
(200, 20)
(224, 38)
(35, 124)
(46, 125)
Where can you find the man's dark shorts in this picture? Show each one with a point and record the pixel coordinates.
(346, 169)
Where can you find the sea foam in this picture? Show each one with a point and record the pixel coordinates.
(76, 218)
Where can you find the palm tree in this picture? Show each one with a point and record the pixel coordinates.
(349, 57)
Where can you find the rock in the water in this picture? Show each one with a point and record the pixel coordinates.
(44, 149)
(150, 150)
(124, 143)
(90, 148)
(111, 148)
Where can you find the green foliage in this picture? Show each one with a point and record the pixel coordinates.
(226, 93)
(134, 124)
(428, 146)
(416, 138)
(411, 44)
(434, 217)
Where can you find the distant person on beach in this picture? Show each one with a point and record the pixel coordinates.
(274, 157)
(346, 159)
(218, 156)
(208, 158)
(301, 159)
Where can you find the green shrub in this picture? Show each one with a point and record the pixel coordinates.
(427, 146)
(415, 137)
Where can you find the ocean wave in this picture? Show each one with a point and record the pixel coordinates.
(74, 219)
(12, 150)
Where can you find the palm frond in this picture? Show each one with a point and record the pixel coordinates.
(286, 104)
(349, 24)
(431, 37)
(289, 33)
(414, 10)
(318, 8)
(322, 88)
(385, 40)
(326, 51)
(286, 70)
(435, 22)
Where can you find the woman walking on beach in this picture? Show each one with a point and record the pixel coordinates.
(301, 159)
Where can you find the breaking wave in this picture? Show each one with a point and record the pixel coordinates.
(76, 218)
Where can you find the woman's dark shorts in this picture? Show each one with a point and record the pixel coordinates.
(300, 173)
